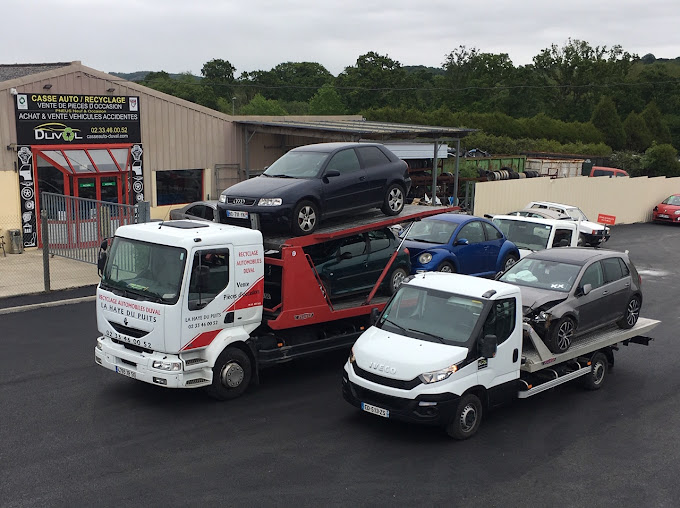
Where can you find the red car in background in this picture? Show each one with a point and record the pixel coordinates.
(668, 210)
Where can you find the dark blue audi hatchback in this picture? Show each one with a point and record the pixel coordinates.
(315, 182)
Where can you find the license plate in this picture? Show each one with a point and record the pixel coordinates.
(664, 216)
(375, 410)
(237, 214)
(126, 372)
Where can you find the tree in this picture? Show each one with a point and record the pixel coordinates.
(638, 137)
(289, 81)
(265, 107)
(219, 74)
(606, 119)
(661, 160)
(326, 101)
(657, 127)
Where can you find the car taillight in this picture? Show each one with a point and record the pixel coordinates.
(639, 280)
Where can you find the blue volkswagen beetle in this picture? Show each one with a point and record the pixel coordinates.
(459, 243)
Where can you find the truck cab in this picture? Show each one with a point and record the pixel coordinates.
(531, 234)
(171, 289)
(440, 338)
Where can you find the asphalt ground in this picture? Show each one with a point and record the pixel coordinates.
(74, 434)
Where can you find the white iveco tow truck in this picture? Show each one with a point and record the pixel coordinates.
(448, 347)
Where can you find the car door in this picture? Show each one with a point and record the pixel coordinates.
(348, 189)
(470, 257)
(377, 166)
(616, 287)
(379, 244)
(349, 271)
(591, 309)
(492, 247)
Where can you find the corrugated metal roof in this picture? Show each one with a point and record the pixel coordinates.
(358, 128)
(13, 71)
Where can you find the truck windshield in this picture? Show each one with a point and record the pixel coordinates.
(524, 234)
(431, 315)
(144, 271)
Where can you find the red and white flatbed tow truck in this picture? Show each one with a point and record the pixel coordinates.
(181, 304)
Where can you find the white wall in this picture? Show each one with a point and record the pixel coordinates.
(630, 200)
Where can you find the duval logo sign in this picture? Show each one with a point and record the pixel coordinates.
(57, 132)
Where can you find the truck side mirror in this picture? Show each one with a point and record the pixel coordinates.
(375, 314)
(487, 346)
(101, 258)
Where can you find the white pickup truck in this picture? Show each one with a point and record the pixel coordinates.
(592, 233)
(530, 234)
(448, 347)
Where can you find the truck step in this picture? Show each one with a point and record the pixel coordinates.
(523, 394)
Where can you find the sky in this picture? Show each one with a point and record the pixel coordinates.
(181, 35)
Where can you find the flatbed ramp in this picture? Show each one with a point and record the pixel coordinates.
(537, 356)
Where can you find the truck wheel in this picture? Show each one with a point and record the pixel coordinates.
(560, 335)
(631, 315)
(231, 374)
(446, 267)
(467, 418)
(305, 218)
(394, 200)
(509, 261)
(396, 278)
(595, 378)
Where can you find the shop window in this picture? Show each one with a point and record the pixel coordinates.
(179, 186)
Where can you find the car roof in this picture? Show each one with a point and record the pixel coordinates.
(550, 203)
(456, 218)
(212, 203)
(574, 255)
(546, 211)
(329, 147)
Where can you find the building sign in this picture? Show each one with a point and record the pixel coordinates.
(606, 219)
(27, 194)
(59, 119)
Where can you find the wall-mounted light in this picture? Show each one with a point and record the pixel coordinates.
(110, 89)
(47, 86)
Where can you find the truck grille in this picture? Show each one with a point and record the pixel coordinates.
(385, 381)
(379, 399)
(126, 330)
(200, 380)
(194, 361)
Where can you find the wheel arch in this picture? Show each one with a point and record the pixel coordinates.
(481, 393)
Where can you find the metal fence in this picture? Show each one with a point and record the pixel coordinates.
(74, 228)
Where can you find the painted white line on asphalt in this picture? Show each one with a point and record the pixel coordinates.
(56, 303)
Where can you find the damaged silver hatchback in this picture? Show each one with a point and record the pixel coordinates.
(570, 291)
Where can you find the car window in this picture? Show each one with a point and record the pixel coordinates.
(380, 240)
(472, 232)
(612, 269)
(209, 213)
(562, 234)
(209, 277)
(372, 156)
(672, 200)
(501, 319)
(491, 232)
(593, 276)
(345, 161)
(196, 211)
(624, 267)
(432, 231)
(601, 172)
(355, 245)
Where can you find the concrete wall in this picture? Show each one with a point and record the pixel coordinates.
(630, 200)
(10, 213)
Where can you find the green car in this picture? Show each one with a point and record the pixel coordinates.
(352, 265)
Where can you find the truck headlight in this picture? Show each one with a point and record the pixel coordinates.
(270, 202)
(163, 365)
(438, 375)
(424, 258)
(99, 345)
(223, 198)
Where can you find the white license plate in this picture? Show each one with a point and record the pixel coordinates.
(126, 372)
(237, 214)
(375, 410)
(664, 216)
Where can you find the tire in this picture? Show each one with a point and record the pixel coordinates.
(231, 374)
(595, 378)
(446, 267)
(467, 418)
(305, 218)
(560, 335)
(631, 314)
(394, 200)
(396, 278)
(509, 260)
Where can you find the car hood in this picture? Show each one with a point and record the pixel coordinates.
(534, 298)
(395, 356)
(417, 247)
(265, 186)
(524, 252)
(667, 208)
(586, 226)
